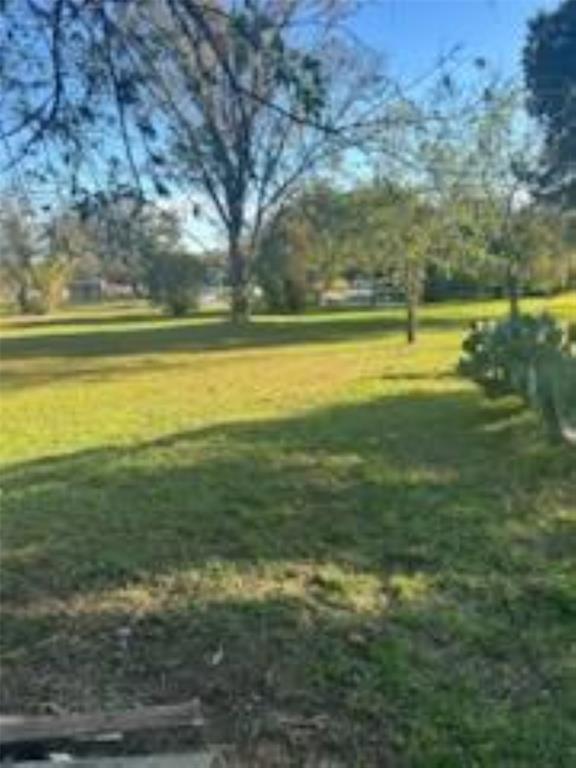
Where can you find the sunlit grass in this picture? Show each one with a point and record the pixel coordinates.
(352, 527)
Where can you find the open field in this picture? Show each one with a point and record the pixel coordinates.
(303, 515)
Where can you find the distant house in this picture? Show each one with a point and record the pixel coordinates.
(93, 289)
(364, 292)
(86, 290)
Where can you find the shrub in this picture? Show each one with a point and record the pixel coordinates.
(280, 269)
(283, 292)
(531, 357)
(50, 278)
(174, 280)
(553, 394)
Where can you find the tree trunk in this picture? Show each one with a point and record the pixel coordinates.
(513, 289)
(413, 289)
(411, 318)
(240, 292)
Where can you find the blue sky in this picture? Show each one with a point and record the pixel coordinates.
(412, 33)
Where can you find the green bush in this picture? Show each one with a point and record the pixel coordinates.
(283, 292)
(531, 357)
(281, 273)
(174, 281)
(553, 394)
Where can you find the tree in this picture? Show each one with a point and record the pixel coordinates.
(324, 214)
(416, 230)
(307, 246)
(398, 232)
(233, 103)
(282, 266)
(171, 274)
(372, 234)
(245, 158)
(116, 223)
(19, 247)
(380, 230)
(50, 278)
(67, 243)
(522, 240)
(550, 75)
(419, 201)
(500, 160)
(38, 258)
(174, 280)
(476, 174)
(411, 228)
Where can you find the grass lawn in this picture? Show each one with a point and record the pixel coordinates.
(302, 516)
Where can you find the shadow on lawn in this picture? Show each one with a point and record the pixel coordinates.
(191, 336)
(411, 480)
(127, 314)
(91, 320)
(418, 487)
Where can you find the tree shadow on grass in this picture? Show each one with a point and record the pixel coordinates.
(414, 478)
(347, 561)
(105, 355)
(191, 336)
(96, 320)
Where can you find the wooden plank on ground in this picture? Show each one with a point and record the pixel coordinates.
(201, 759)
(16, 729)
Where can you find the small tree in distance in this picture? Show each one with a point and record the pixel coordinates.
(173, 276)
(500, 158)
(175, 281)
(37, 258)
(19, 247)
(282, 263)
(474, 171)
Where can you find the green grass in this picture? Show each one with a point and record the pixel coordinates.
(351, 527)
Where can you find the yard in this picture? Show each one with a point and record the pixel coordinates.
(302, 516)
